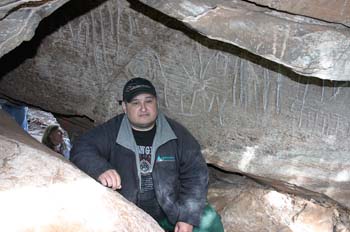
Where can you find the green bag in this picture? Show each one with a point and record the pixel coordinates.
(210, 222)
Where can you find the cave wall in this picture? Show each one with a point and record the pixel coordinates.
(251, 115)
(20, 18)
(330, 11)
(302, 35)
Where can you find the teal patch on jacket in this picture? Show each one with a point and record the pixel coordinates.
(161, 158)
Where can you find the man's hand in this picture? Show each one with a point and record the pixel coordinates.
(111, 179)
(183, 227)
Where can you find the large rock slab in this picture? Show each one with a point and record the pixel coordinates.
(309, 47)
(331, 11)
(40, 191)
(250, 115)
(246, 206)
(19, 19)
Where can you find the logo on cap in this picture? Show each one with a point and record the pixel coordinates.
(137, 86)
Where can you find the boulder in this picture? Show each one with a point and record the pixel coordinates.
(41, 191)
(19, 19)
(246, 206)
(306, 45)
(330, 11)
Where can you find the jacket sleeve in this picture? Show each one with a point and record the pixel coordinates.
(193, 176)
(91, 151)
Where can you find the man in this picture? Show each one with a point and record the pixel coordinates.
(151, 160)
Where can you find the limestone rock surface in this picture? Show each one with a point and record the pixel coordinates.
(246, 206)
(42, 192)
(330, 11)
(19, 19)
(250, 115)
(306, 45)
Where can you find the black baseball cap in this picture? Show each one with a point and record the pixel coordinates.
(136, 86)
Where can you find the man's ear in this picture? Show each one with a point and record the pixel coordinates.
(124, 106)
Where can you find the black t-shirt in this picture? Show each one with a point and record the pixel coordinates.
(147, 198)
(144, 140)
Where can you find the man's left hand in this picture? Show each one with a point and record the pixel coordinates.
(183, 227)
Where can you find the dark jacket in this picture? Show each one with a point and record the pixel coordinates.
(180, 174)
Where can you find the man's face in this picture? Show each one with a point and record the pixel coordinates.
(142, 111)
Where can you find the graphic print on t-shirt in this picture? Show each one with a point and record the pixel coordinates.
(145, 167)
(146, 197)
(145, 158)
(144, 141)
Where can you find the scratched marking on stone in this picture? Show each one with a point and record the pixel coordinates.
(274, 43)
(104, 27)
(197, 80)
(278, 92)
(323, 90)
(195, 83)
(242, 80)
(303, 102)
(285, 40)
(319, 122)
(266, 89)
(235, 77)
(221, 63)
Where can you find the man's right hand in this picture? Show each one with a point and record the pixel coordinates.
(111, 179)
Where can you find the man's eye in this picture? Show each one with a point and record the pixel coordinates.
(134, 103)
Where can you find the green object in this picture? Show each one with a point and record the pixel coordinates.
(210, 222)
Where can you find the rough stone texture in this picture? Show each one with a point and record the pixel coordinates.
(250, 115)
(19, 19)
(307, 46)
(331, 11)
(246, 206)
(40, 191)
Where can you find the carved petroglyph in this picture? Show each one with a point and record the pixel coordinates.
(278, 92)
(191, 90)
(195, 80)
(266, 88)
(102, 34)
(309, 110)
(190, 85)
(319, 122)
(113, 43)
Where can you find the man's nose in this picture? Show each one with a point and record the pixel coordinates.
(143, 106)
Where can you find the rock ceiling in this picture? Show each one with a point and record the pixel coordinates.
(309, 37)
(19, 19)
(312, 41)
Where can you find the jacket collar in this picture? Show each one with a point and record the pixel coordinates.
(164, 133)
(125, 138)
